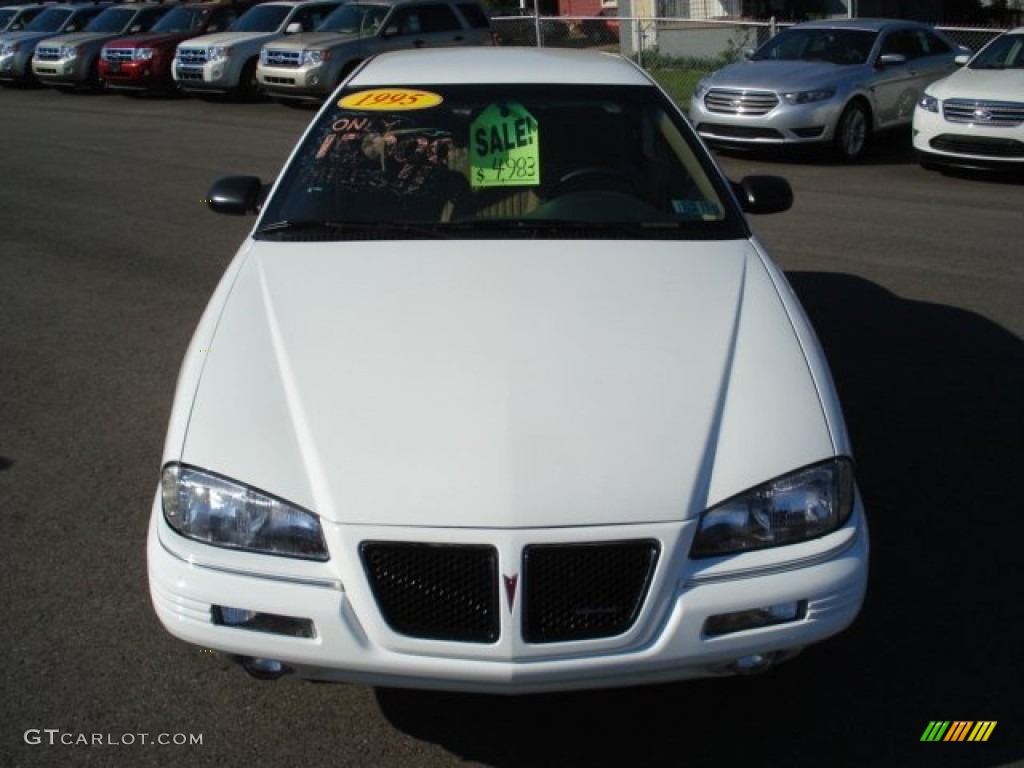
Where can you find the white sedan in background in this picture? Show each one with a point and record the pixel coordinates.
(501, 394)
(975, 117)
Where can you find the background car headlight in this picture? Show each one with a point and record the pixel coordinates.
(808, 97)
(68, 52)
(315, 57)
(8, 48)
(701, 88)
(929, 103)
(143, 54)
(218, 511)
(802, 505)
(219, 53)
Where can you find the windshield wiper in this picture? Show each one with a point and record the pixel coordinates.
(382, 227)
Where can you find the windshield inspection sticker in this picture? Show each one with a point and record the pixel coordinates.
(696, 209)
(504, 148)
(390, 100)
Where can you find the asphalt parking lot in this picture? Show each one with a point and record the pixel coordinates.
(915, 283)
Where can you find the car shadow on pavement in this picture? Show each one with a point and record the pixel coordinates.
(933, 400)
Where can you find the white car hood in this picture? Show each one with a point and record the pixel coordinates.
(981, 85)
(503, 384)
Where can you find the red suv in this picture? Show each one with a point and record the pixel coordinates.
(143, 62)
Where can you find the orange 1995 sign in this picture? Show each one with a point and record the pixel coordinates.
(390, 100)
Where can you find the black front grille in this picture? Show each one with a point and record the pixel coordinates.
(981, 146)
(584, 591)
(435, 591)
(717, 130)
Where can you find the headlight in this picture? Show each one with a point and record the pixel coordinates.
(8, 48)
(218, 511)
(315, 57)
(219, 53)
(802, 505)
(143, 54)
(808, 97)
(67, 52)
(929, 103)
(701, 88)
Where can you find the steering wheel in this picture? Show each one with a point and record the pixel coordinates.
(595, 177)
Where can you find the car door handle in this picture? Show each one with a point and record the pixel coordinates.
(418, 43)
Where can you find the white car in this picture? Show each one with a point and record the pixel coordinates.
(975, 117)
(501, 394)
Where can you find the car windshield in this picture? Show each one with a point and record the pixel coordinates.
(355, 18)
(111, 20)
(836, 46)
(181, 20)
(261, 18)
(1004, 52)
(49, 20)
(472, 161)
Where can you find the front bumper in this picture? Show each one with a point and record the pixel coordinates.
(142, 75)
(352, 643)
(61, 71)
(305, 82)
(784, 125)
(939, 142)
(213, 76)
(15, 66)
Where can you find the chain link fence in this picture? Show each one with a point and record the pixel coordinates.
(676, 51)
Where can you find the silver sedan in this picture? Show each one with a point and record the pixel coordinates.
(823, 83)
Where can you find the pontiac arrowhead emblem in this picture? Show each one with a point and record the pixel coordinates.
(511, 582)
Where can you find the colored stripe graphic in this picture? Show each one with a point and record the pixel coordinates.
(958, 730)
(982, 730)
(935, 730)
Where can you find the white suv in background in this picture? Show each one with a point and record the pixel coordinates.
(226, 61)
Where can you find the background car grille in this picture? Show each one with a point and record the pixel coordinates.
(283, 58)
(584, 591)
(738, 102)
(979, 146)
(994, 113)
(47, 54)
(118, 54)
(435, 591)
(738, 131)
(192, 55)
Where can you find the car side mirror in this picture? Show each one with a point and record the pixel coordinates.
(763, 194)
(961, 58)
(236, 195)
(891, 59)
(748, 53)
(293, 29)
(391, 31)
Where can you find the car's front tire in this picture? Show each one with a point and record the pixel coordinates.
(853, 132)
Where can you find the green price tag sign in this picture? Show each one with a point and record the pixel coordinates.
(504, 148)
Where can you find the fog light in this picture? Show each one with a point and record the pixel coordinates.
(240, 618)
(314, 80)
(781, 613)
(749, 665)
(263, 669)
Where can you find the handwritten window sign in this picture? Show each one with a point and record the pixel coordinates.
(504, 148)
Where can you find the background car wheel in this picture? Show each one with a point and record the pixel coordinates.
(853, 132)
(248, 85)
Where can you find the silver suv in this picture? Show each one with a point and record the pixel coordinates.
(226, 61)
(310, 66)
